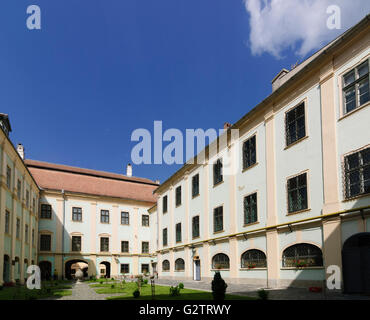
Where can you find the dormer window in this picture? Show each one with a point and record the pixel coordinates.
(5, 124)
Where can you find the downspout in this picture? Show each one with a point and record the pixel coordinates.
(64, 209)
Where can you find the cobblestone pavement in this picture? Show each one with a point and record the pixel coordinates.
(83, 291)
(274, 294)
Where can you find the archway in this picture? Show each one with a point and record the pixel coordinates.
(105, 265)
(72, 266)
(45, 268)
(6, 270)
(356, 263)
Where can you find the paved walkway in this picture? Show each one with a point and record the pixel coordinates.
(274, 294)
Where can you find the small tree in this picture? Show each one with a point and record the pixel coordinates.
(218, 287)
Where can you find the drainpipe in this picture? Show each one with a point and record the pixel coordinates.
(64, 209)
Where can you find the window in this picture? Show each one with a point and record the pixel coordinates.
(302, 255)
(76, 243)
(195, 185)
(18, 228)
(33, 236)
(164, 204)
(218, 220)
(178, 196)
(145, 247)
(357, 173)
(356, 87)
(178, 232)
(250, 208)
(104, 244)
(195, 228)
(7, 221)
(295, 124)
(104, 216)
(220, 261)
(45, 242)
(249, 152)
(33, 204)
(125, 268)
(164, 236)
(8, 176)
(144, 268)
(125, 218)
(27, 198)
(19, 189)
(76, 214)
(179, 264)
(217, 172)
(26, 233)
(165, 265)
(254, 259)
(124, 247)
(45, 211)
(145, 220)
(297, 193)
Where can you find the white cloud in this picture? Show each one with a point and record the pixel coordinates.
(301, 25)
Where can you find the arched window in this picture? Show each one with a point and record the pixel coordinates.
(180, 264)
(302, 255)
(165, 265)
(254, 259)
(220, 261)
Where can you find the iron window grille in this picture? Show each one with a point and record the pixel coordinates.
(18, 229)
(76, 214)
(195, 225)
(250, 208)
(164, 236)
(7, 221)
(19, 188)
(254, 259)
(144, 268)
(356, 87)
(33, 236)
(164, 204)
(76, 243)
(295, 124)
(145, 247)
(26, 233)
(45, 242)
(124, 246)
(179, 264)
(145, 220)
(125, 268)
(104, 244)
(302, 255)
(125, 218)
(195, 185)
(357, 173)
(249, 152)
(297, 193)
(221, 261)
(27, 198)
(217, 172)
(178, 196)
(33, 204)
(165, 265)
(104, 216)
(45, 211)
(8, 176)
(218, 223)
(178, 232)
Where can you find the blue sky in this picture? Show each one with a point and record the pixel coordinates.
(97, 70)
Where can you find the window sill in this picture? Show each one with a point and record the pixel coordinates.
(353, 111)
(77, 221)
(296, 142)
(357, 197)
(218, 183)
(250, 224)
(303, 268)
(251, 269)
(220, 269)
(194, 238)
(124, 224)
(250, 167)
(196, 196)
(179, 270)
(178, 205)
(220, 231)
(297, 212)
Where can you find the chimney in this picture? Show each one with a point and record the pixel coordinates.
(20, 150)
(157, 182)
(227, 125)
(278, 80)
(129, 170)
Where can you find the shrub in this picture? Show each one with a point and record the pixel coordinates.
(145, 281)
(174, 291)
(9, 284)
(218, 287)
(1, 287)
(112, 286)
(181, 285)
(136, 293)
(263, 294)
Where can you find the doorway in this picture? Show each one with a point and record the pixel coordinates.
(197, 270)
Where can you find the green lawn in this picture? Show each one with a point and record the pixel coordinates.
(161, 293)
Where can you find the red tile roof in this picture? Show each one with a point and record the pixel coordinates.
(86, 181)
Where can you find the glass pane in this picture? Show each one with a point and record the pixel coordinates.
(363, 92)
(349, 78)
(363, 69)
(350, 99)
(365, 154)
(353, 161)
